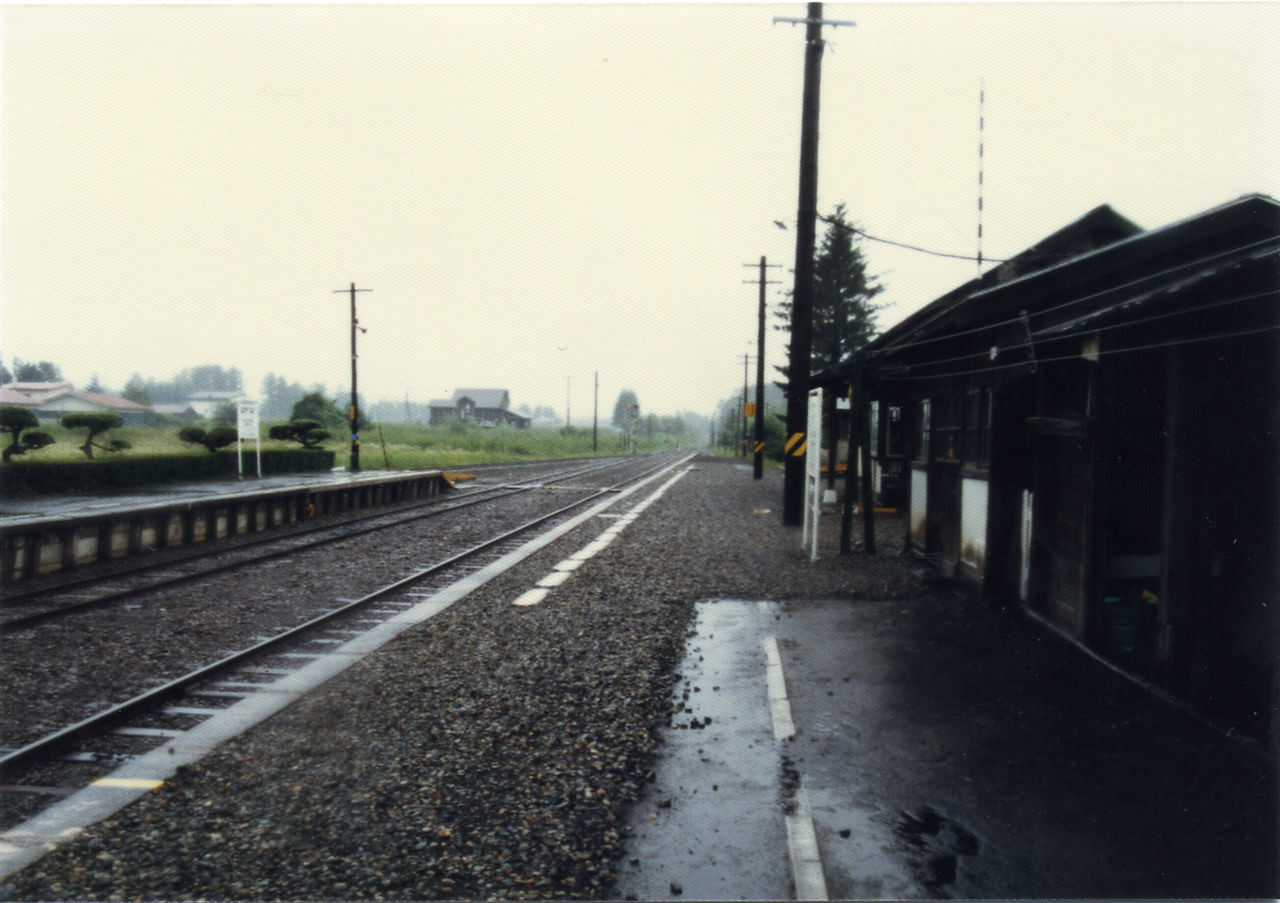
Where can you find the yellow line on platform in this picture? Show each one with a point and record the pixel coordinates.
(128, 783)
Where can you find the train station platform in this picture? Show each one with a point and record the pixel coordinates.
(702, 712)
(41, 535)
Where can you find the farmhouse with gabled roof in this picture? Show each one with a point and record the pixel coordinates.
(484, 407)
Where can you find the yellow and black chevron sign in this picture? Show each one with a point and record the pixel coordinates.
(796, 445)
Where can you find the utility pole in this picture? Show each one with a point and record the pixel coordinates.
(802, 298)
(757, 469)
(745, 359)
(567, 381)
(355, 403)
(595, 416)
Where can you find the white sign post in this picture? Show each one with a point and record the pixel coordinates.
(246, 428)
(813, 474)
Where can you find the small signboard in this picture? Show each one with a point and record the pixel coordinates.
(813, 475)
(247, 427)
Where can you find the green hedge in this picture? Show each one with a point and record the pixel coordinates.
(107, 474)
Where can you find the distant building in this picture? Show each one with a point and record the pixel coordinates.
(180, 411)
(9, 395)
(38, 392)
(52, 401)
(206, 404)
(484, 407)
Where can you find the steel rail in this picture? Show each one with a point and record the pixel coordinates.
(42, 749)
(209, 549)
(340, 533)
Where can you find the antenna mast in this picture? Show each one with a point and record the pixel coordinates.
(982, 97)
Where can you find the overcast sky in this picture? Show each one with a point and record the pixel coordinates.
(535, 192)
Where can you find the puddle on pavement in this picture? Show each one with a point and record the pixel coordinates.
(709, 826)
(936, 845)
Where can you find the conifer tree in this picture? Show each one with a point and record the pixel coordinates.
(844, 310)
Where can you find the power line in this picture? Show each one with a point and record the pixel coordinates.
(899, 244)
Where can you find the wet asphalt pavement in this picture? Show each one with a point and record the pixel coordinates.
(947, 751)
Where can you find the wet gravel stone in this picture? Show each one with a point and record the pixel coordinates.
(61, 672)
(490, 753)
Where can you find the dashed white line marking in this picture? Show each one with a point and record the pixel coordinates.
(561, 572)
(802, 847)
(802, 838)
(532, 597)
(779, 706)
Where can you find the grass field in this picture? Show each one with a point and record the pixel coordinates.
(410, 446)
(397, 446)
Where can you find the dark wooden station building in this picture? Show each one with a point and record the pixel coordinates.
(1092, 430)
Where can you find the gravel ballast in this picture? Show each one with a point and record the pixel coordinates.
(62, 671)
(489, 753)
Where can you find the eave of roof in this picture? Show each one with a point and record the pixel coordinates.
(1249, 210)
(110, 401)
(13, 396)
(1158, 238)
(1113, 311)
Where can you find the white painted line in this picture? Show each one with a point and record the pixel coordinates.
(145, 732)
(189, 710)
(560, 573)
(532, 597)
(784, 728)
(802, 846)
(802, 838)
(245, 684)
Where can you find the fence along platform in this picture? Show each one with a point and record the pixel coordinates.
(70, 533)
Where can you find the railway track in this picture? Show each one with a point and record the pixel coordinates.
(43, 770)
(26, 608)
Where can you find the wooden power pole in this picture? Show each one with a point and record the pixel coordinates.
(800, 357)
(757, 468)
(355, 402)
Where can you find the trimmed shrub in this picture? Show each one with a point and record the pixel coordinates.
(213, 439)
(307, 433)
(14, 420)
(55, 477)
(97, 423)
